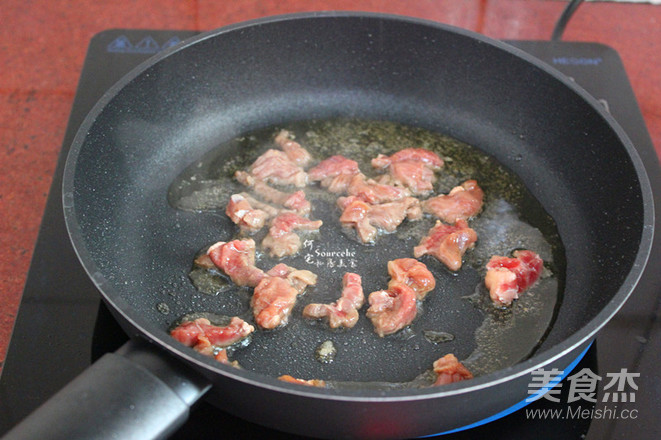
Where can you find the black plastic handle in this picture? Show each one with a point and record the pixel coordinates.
(138, 392)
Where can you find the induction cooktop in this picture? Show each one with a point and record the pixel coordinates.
(61, 311)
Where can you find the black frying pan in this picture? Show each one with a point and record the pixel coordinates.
(571, 156)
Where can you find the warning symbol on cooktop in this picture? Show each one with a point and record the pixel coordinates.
(171, 42)
(148, 45)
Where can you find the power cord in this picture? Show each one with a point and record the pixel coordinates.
(564, 19)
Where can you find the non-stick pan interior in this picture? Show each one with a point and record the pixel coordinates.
(156, 122)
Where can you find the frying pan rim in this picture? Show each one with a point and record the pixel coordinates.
(150, 332)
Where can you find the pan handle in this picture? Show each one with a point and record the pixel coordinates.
(138, 392)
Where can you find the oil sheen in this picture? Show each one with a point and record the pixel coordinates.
(457, 317)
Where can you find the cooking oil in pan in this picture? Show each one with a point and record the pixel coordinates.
(457, 317)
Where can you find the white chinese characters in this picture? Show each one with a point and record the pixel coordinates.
(315, 256)
(618, 387)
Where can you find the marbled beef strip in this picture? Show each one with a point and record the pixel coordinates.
(243, 214)
(190, 333)
(334, 173)
(281, 240)
(275, 296)
(344, 311)
(461, 203)
(295, 201)
(272, 302)
(411, 167)
(448, 243)
(507, 277)
(366, 218)
(414, 274)
(310, 382)
(355, 215)
(388, 216)
(271, 210)
(420, 155)
(211, 340)
(450, 370)
(299, 279)
(274, 166)
(393, 309)
(415, 176)
(293, 149)
(237, 259)
(373, 192)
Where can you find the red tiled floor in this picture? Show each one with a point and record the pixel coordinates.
(465, 13)
(42, 48)
(634, 31)
(43, 44)
(30, 136)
